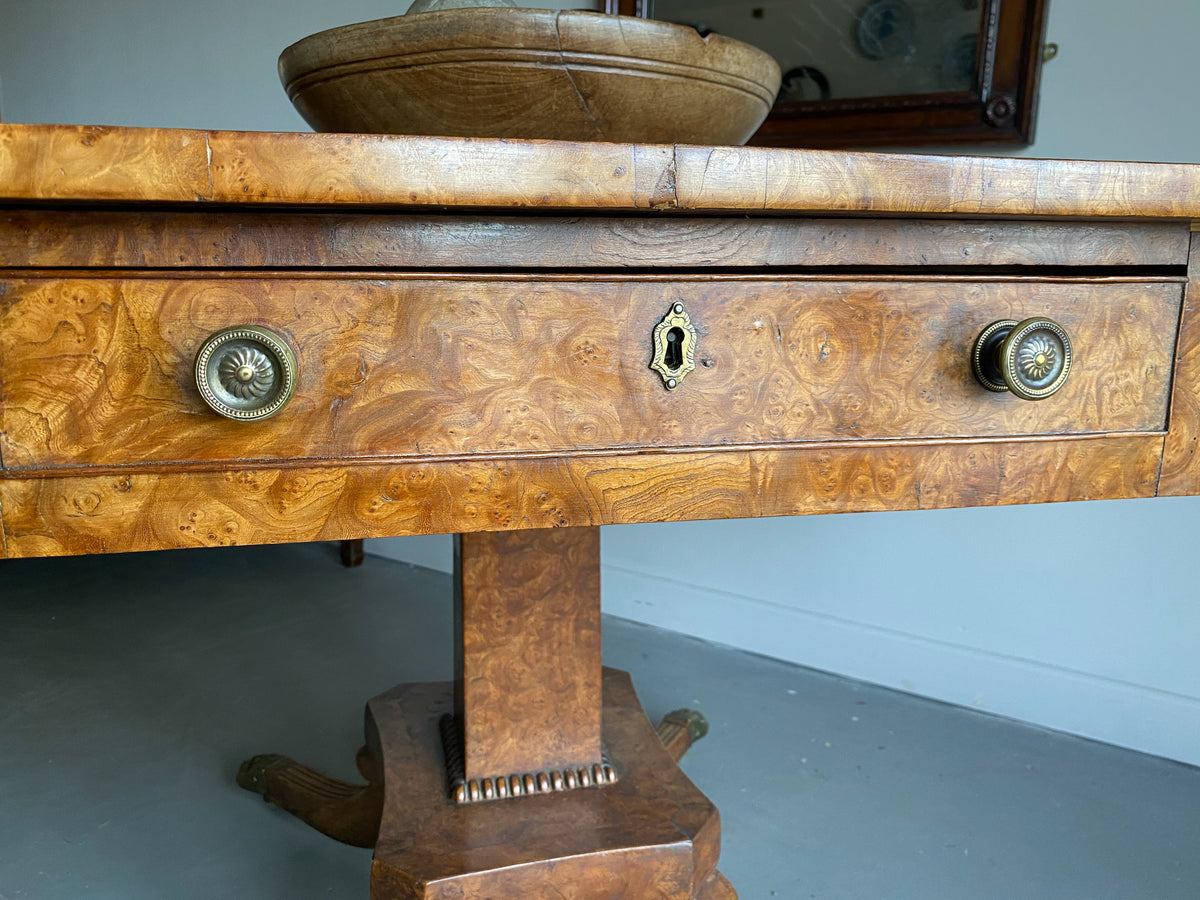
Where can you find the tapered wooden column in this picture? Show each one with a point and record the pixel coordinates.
(527, 692)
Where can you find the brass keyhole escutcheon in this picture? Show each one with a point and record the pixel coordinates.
(674, 346)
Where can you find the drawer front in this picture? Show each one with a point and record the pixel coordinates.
(99, 371)
(59, 514)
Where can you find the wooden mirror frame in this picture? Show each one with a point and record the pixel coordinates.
(1000, 108)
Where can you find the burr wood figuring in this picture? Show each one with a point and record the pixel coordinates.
(210, 339)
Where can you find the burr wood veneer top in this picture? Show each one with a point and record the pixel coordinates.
(89, 163)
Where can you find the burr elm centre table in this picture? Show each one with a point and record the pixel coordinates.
(216, 338)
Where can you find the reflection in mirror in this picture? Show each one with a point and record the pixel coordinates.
(842, 49)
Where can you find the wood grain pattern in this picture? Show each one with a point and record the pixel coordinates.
(741, 178)
(369, 170)
(68, 515)
(527, 616)
(530, 73)
(652, 835)
(306, 169)
(263, 239)
(488, 404)
(485, 172)
(1180, 463)
(98, 371)
(70, 162)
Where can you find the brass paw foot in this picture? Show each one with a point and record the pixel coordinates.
(348, 813)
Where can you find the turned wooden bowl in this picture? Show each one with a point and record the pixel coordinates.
(528, 73)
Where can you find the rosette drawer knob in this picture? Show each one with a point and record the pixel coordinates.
(1030, 358)
(246, 372)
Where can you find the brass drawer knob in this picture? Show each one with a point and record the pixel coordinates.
(1030, 358)
(246, 372)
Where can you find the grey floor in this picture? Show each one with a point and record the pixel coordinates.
(132, 686)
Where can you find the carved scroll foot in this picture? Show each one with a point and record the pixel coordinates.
(680, 729)
(348, 813)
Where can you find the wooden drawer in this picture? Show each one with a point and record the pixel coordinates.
(97, 371)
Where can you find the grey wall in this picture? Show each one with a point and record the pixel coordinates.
(1099, 634)
(168, 63)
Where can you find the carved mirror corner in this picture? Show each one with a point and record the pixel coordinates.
(875, 73)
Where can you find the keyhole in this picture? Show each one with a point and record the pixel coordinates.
(673, 358)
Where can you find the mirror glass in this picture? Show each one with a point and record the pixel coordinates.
(846, 49)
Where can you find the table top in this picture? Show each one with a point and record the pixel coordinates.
(56, 163)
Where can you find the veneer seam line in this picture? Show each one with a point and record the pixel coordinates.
(522, 275)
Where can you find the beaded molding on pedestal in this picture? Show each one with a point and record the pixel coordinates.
(478, 790)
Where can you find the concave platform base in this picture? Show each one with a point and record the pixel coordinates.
(532, 710)
(651, 835)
